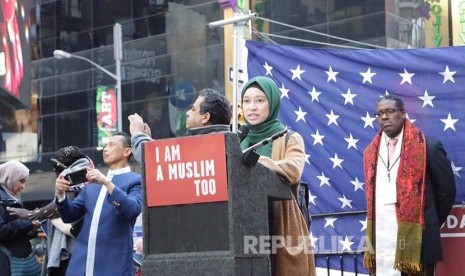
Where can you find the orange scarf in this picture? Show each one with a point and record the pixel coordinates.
(410, 184)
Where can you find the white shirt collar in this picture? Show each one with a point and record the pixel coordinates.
(399, 138)
(112, 173)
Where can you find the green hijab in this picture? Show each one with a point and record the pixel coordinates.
(269, 127)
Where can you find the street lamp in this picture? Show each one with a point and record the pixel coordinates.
(239, 21)
(117, 45)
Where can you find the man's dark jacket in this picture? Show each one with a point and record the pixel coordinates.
(440, 196)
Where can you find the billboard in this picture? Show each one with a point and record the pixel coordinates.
(15, 81)
(107, 113)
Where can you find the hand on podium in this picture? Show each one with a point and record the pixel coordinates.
(250, 156)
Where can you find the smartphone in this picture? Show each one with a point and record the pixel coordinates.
(8, 202)
(77, 177)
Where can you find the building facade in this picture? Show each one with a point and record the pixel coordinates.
(168, 55)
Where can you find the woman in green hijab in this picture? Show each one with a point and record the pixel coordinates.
(286, 156)
(260, 98)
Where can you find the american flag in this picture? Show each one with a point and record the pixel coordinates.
(329, 97)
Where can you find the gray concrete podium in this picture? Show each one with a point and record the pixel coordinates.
(214, 238)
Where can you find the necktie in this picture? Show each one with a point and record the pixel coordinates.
(391, 148)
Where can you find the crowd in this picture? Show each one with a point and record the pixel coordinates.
(410, 189)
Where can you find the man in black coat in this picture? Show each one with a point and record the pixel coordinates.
(410, 189)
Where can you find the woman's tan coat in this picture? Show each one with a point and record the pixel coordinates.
(296, 256)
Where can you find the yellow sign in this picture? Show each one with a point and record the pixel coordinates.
(437, 26)
(458, 22)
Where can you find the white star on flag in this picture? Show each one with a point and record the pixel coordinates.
(368, 120)
(367, 76)
(448, 75)
(268, 69)
(410, 119)
(318, 139)
(346, 244)
(332, 118)
(427, 99)
(311, 198)
(331, 74)
(345, 202)
(307, 158)
(364, 224)
(297, 72)
(449, 122)
(315, 94)
(300, 115)
(456, 170)
(348, 97)
(351, 142)
(330, 221)
(357, 184)
(406, 76)
(323, 179)
(313, 240)
(336, 161)
(284, 91)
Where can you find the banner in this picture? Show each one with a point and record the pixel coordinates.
(186, 170)
(453, 243)
(106, 109)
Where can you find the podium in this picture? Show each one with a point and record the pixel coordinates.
(228, 235)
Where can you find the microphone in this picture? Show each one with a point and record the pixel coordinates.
(242, 132)
(266, 140)
(250, 157)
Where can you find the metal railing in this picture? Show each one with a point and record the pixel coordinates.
(341, 256)
(332, 255)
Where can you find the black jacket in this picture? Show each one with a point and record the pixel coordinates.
(15, 233)
(439, 198)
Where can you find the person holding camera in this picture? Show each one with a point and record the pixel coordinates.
(60, 235)
(110, 205)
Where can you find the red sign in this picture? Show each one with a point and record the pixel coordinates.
(453, 243)
(186, 170)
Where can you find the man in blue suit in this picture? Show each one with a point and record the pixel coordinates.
(110, 205)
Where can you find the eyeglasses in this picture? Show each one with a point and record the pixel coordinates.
(387, 112)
